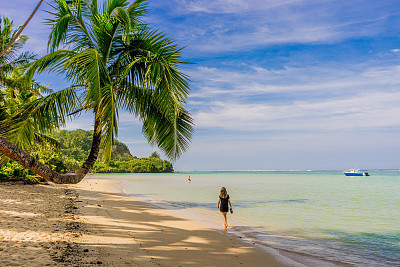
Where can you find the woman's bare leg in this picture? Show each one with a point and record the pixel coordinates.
(225, 220)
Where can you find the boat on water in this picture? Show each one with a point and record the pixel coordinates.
(355, 172)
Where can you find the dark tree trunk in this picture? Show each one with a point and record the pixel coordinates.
(94, 151)
(29, 162)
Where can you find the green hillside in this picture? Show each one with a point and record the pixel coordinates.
(74, 147)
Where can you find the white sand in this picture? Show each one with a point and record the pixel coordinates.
(92, 224)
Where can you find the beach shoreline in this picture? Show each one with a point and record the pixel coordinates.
(213, 223)
(157, 236)
(93, 223)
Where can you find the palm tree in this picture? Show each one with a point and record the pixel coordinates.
(17, 94)
(115, 63)
(12, 59)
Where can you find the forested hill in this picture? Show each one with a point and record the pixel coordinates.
(76, 145)
(73, 149)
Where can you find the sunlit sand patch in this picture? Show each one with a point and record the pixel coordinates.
(189, 262)
(10, 201)
(10, 235)
(16, 213)
(111, 242)
(129, 210)
(109, 239)
(196, 240)
(238, 250)
(174, 247)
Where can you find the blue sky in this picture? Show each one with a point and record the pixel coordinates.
(278, 85)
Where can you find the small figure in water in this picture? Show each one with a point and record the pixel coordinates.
(223, 202)
(189, 179)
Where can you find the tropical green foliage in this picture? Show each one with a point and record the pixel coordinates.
(115, 62)
(13, 58)
(10, 63)
(13, 171)
(134, 165)
(17, 94)
(155, 155)
(74, 149)
(118, 63)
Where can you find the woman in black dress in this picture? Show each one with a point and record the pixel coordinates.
(223, 202)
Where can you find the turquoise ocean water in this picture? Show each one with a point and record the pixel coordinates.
(351, 220)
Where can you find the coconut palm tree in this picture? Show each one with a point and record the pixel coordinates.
(12, 58)
(17, 94)
(115, 63)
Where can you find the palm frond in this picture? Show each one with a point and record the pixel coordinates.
(68, 17)
(43, 140)
(172, 134)
(53, 62)
(151, 61)
(122, 64)
(42, 115)
(171, 131)
(110, 6)
(87, 67)
(136, 11)
(6, 35)
(108, 114)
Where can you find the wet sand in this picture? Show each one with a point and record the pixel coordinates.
(92, 224)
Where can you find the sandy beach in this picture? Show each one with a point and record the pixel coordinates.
(93, 224)
(37, 225)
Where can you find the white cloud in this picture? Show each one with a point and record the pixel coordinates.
(326, 98)
(371, 111)
(330, 79)
(84, 124)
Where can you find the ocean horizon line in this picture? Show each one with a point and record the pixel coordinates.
(288, 170)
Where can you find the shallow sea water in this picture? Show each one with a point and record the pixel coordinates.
(351, 220)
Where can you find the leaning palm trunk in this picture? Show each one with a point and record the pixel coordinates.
(29, 162)
(122, 65)
(15, 153)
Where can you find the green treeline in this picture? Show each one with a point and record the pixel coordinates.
(72, 150)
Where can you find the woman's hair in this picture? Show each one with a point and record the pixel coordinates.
(223, 193)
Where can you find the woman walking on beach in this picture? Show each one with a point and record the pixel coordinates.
(223, 202)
